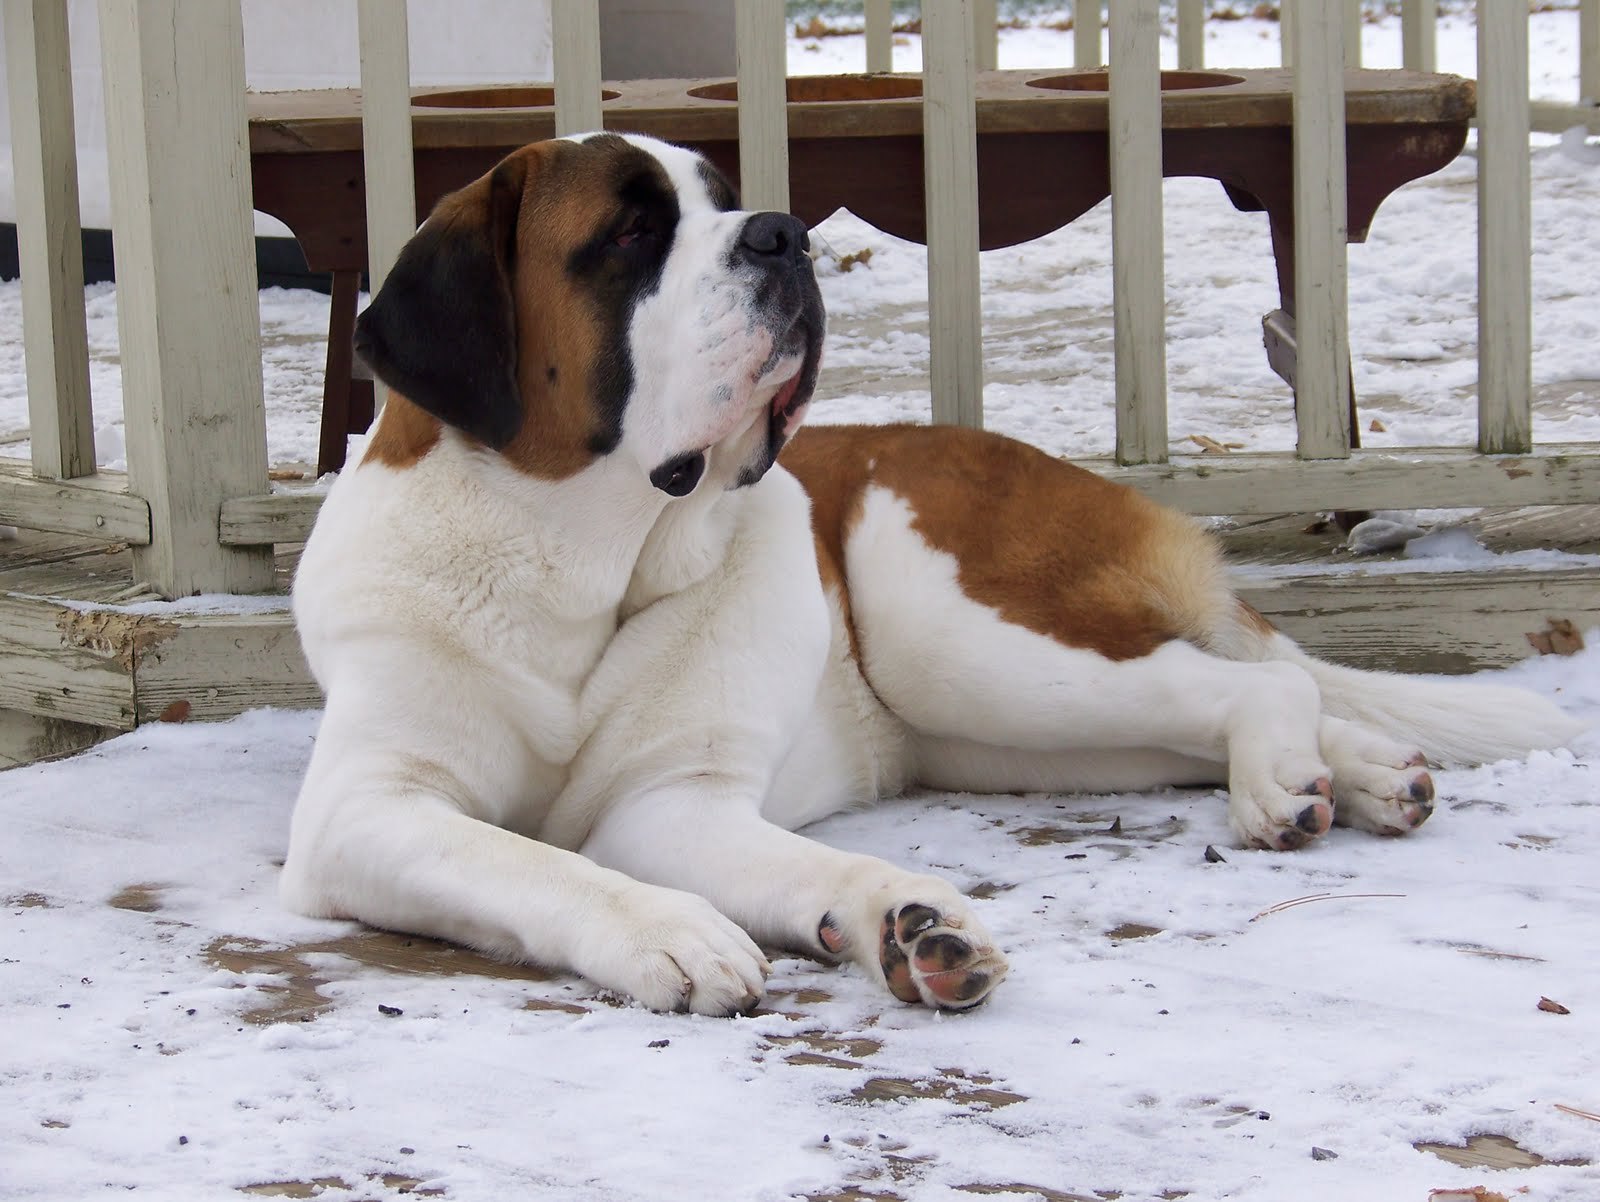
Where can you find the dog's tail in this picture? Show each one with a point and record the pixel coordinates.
(1454, 725)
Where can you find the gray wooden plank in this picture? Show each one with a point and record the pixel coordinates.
(99, 506)
(218, 665)
(1424, 622)
(58, 663)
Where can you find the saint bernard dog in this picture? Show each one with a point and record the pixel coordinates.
(592, 650)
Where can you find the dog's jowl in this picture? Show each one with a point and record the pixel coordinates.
(599, 627)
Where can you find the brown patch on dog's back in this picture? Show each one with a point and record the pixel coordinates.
(1046, 545)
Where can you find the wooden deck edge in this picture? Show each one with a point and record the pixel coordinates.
(30, 739)
(109, 668)
(1243, 485)
(1450, 622)
(97, 506)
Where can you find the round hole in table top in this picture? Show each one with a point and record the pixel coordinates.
(814, 88)
(1171, 81)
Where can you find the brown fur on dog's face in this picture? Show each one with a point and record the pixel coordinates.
(539, 311)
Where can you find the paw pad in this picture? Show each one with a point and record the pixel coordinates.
(927, 958)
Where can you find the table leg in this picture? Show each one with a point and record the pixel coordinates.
(340, 394)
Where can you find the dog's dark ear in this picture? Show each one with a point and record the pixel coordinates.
(442, 329)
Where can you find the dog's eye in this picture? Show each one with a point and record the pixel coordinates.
(638, 228)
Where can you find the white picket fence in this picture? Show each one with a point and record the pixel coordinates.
(196, 506)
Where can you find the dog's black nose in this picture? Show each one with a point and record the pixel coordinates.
(677, 477)
(771, 237)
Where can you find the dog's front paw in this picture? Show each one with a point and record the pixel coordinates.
(931, 951)
(675, 951)
(933, 957)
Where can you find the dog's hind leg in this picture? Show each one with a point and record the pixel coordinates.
(1380, 729)
(955, 669)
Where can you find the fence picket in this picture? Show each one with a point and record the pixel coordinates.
(1419, 34)
(1086, 33)
(1191, 34)
(950, 175)
(1138, 281)
(386, 134)
(49, 241)
(880, 35)
(763, 104)
(575, 47)
(1505, 239)
(1322, 380)
(1589, 52)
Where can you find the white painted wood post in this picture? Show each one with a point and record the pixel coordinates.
(1352, 33)
(1137, 268)
(880, 35)
(763, 105)
(1589, 52)
(985, 34)
(1191, 34)
(1321, 224)
(1419, 34)
(1505, 240)
(49, 241)
(950, 178)
(575, 46)
(187, 312)
(386, 135)
(1086, 33)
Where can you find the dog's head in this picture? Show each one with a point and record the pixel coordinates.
(603, 296)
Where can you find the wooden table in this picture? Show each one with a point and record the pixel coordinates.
(855, 141)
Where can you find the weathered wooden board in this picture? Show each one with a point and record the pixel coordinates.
(284, 517)
(328, 120)
(1420, 622)
(1432, 478)
(28, 738)
(58, 663)
(218, 665)
(99, 506)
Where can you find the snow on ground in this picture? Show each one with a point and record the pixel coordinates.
(1047, 305)
(1165, 1026)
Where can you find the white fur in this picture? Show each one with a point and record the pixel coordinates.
(575, 721)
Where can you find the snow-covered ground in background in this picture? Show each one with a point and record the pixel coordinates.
(1047, 305)
(1166, 1029)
